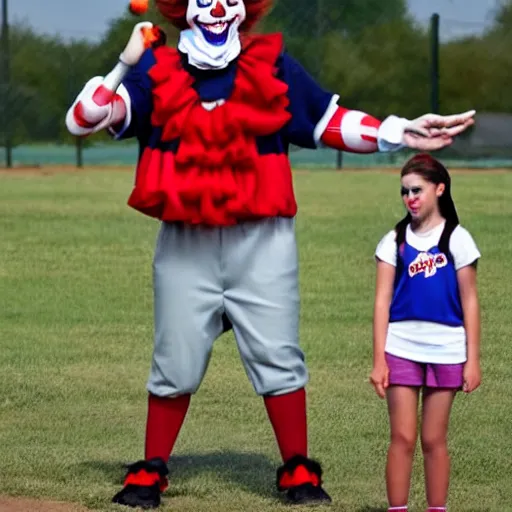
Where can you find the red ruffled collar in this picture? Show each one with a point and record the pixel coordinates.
(256, 107)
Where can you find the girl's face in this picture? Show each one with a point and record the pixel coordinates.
(421, 196)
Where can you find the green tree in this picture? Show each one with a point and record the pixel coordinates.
(381, 71)
(320, 33)
(311, 18)
(46, 74)
(503, 17)
(476, 71)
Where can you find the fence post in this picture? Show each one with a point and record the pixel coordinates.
(434, 63)
(6, 85)
(339, 160)
(79, 152)
(79, 157)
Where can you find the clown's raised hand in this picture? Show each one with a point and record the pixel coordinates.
(103, 102)
(432, 131)
(142, 37)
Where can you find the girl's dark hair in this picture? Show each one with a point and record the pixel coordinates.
(435, 172)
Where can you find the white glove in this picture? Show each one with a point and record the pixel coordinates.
(137, 44)
(432, 131)
(429, 132)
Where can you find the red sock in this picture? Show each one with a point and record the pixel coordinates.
(287, 413)
(165, 418)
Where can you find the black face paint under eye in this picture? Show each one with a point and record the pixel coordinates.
(232, 3)
(404, 191)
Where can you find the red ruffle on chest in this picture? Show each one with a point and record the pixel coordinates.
(217, 177)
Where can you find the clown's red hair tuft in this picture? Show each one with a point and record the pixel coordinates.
(176, 10)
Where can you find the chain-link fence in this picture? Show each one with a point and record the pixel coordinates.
(370, 52)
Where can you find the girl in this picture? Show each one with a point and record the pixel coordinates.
(426, 328)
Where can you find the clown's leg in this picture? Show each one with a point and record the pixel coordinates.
(262, 302)
(287, 414)
(188, 318)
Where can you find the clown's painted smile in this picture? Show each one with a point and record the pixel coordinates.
(215, 33)
(213, 39)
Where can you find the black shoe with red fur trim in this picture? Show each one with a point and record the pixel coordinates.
(301, 478)
(144, 482)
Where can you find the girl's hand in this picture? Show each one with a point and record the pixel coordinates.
(380, 379)
(472, 376)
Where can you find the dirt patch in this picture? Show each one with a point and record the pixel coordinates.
(29, 505)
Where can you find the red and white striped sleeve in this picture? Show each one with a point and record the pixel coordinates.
(102, 103)
(357, 132)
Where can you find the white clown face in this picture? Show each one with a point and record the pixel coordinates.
(216, 21)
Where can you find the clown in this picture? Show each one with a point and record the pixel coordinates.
(214, 119)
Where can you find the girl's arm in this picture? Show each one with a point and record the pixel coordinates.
(466, 278)
(383, 296)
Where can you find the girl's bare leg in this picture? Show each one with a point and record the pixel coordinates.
(437, 404)
(403, 410)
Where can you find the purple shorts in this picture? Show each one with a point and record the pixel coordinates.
(403, 372)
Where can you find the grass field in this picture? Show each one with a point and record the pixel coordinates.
(76, 339)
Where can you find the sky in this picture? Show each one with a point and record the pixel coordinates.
(89, 18)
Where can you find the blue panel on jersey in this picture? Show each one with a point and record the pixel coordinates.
(426, 288)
